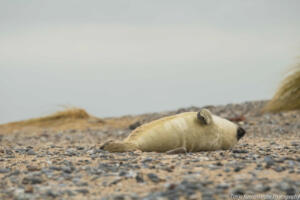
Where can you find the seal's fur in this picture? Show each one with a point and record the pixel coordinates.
(192, 131)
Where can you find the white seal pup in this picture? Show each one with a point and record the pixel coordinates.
(187, 132)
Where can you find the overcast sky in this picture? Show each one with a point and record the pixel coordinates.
(128, 57)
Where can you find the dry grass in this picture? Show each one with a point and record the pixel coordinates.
(69, 119)
(67, 115)
(287, 96)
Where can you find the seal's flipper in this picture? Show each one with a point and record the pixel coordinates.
(204, 116)
(115, 146)
(177, 150)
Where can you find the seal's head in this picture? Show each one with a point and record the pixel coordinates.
(227, 133)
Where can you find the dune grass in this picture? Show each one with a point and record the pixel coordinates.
(68, 119)
(287, 96)
(66, 116)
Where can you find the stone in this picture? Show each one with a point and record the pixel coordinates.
(32, 180)
(4, 170)
(237, 191)
(269, 161)
(153, 177)
(82, 191)
(31, 152)
(261, 188)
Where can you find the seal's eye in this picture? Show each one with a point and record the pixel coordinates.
(240, 133)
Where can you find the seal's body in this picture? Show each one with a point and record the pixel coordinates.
(191, 131)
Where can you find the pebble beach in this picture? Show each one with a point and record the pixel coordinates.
(46, 163)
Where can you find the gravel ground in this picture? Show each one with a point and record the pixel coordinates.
(69, 164)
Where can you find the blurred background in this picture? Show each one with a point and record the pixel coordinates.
(128, 57)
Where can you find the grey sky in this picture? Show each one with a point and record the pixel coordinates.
(127, 57)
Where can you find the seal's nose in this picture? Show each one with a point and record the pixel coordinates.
(240, 133)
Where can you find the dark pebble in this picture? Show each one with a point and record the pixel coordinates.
(227, 170)
(119, 197)
(207, 195)
(122, 173)
(32, 180)
(71, 152)
(4, 170)
(55, 168)
(116, 181)
(69, 192)
(67, 169)
(296, 143)
(52, 194)
(147, 160)
(223, 186)
(31, 152)
(279, 169)
(139, 178)
(239, 151)
(153, 177)
(82, 191)
(269, 161)
(32, 168)
(238, 168)
(108, 167)
(285, 187)
(9, 152)
(238, 191)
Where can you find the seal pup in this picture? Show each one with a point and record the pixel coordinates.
(184, 132)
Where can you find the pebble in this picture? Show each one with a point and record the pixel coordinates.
(238, 168)
(4, 170)
(31, 152)
(153, 177)
(119, 197)
(139, 178)
(9, 152)
(223, 186)
(240, 151)
(32, 168)
(146, 160)
(115, 181)
(238, 191)
(287, 188)
(70, 165)
(51, 193)
(279, 169)
(269, 161)
(83, 191)
(67, 169)
(32, 180)
(261, 188)
(29, 189)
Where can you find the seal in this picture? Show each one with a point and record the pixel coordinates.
(185, 132)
